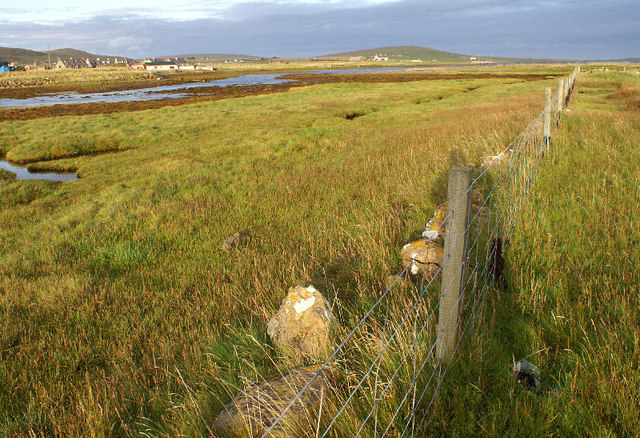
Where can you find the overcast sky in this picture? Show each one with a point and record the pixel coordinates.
(574, 29)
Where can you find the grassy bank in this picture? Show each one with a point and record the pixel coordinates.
(123, 315)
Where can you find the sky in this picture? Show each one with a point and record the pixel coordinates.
(567, 29)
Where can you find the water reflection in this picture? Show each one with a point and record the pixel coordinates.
(24, 173)
(143, 94)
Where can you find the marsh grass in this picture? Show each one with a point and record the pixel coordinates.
(86, 75)
(122, 315)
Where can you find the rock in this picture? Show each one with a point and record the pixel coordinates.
(528, 375)
(424, 257)
(436, 225)
(254, 410)
(302, 326)
(235, 240)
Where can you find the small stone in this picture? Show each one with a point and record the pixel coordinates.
(436, 225)
(527, 374)
(255, 409)
(236, 240)
(302, 326)
(424, 257)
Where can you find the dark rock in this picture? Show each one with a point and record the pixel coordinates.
(236, 240)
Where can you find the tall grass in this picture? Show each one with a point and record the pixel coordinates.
(122, 316)
(572, 303)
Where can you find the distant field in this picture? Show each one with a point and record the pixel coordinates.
(124, 317)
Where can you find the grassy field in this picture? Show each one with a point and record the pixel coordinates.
(572, 305)
(124, 317)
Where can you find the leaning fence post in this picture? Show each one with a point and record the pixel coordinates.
(451, 292)
(547, 116)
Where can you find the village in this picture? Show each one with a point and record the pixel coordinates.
(178, 63)
(81, 63)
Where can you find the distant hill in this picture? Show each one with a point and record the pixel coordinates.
(211, 56)
(25, 56)
(404, 53)
(407, 53)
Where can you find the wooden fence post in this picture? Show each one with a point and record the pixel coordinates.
(560, 90)
(547, 115)
(451, 292)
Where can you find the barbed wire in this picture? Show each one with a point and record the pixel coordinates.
(403, 363)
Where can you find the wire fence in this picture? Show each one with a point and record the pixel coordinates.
(392, 364)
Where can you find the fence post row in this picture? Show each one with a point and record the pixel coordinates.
(451, 292)
(459, 202)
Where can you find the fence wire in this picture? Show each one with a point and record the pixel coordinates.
(386, 376)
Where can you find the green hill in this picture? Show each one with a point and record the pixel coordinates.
(211, 56)
(407, 53)
(26, 56)
(404, 53)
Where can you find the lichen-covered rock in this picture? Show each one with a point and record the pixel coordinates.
(424, 258)
(236, 240)
(302, 326)
(436, 226)
(255, 409)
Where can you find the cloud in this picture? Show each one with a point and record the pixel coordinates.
(560, 29)
(129, 44)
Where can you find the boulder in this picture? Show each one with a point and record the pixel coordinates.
(256, 408)
(236, 240)
(436, 226)
(301, 328)
(424, 258)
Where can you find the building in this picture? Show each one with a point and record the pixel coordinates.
(76, 63)
(160, 65)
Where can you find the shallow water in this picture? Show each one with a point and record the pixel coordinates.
(23, 173)
(143, 94)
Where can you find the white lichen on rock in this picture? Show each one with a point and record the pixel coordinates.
(302, 326)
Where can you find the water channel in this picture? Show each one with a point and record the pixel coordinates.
(22, 173)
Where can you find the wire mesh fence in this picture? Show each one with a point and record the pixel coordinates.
(387, 369)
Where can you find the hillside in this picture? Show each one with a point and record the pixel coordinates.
(404, 53)
(26, 56)
(211, 56)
